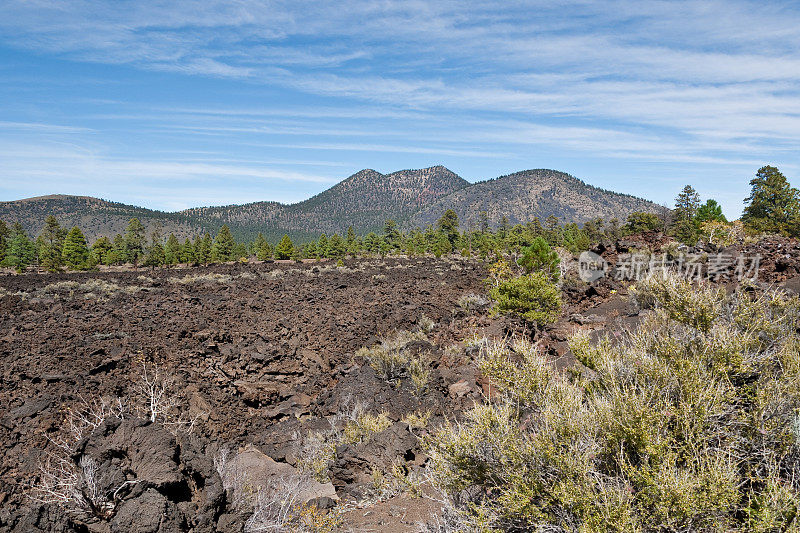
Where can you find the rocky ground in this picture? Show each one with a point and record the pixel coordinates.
(264, 383)
(253, 354)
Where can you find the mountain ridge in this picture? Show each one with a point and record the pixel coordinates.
(364, 200)
(540, 193)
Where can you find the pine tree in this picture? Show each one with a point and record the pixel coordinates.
(224, 244)
(372, 243)
(240, 251)
(535, 228)
(134, 241)
(418, 242)
(4, 233)
(322, 246)
(297, 255)
(351, 240)
(187, 252)
(20, 251)
(574, 239)
(441, 246)
(684, 226)
(552, 229)
(593, 229)
(483, 222)
(390, 234)
(198, 245)
(285, 248)
(540, 257)
(208, 245)
(75, 251)
(118, 254)
(264, 252)
(614, 230)
(310, 250)
(502, 230)
(258, 244)
(100, 250)
(686, 204)
(202, 249)
(337, 247)
(710, 211)
(155, 251)
(773, 204)
(154, 257)
(49, 245)
(356, 247)
(640, 221)
(448, 225)
(430, 238)
(172, 251)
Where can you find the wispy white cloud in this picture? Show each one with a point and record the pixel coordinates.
(38, 127)
(712, 82)
(47, 168)
(390, 148)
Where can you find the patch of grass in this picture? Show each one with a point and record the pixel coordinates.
(417, 419)
(190, 279)
(397, 479)
(470, 302)
(273, 274)
(365, 426)
(426, 324)
(393, 361)
(93, 289)
(420, 371)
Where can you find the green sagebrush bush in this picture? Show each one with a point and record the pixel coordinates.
(534, 297)
(689, 423)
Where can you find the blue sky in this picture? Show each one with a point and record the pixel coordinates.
(175, 104)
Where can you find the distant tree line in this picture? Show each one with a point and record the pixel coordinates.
(772, 207)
